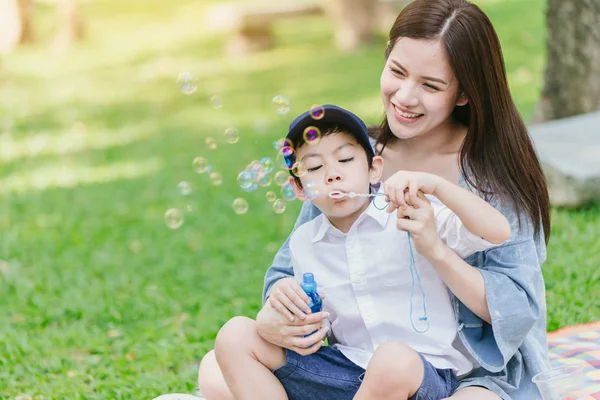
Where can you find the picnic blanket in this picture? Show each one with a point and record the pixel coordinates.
(579, 345)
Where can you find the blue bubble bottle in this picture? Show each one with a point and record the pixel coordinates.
(309, 286)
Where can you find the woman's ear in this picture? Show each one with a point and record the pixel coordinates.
(298, 191)
(462, 100)
(376, 170)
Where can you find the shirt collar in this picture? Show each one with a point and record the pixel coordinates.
(377, 206)
(375, 210)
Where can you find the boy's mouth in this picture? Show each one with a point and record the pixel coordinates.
(337, 194)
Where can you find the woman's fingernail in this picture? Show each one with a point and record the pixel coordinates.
(326, 315)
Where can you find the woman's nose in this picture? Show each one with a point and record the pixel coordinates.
(406, 95)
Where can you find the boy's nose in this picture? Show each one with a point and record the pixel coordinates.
(334, 178)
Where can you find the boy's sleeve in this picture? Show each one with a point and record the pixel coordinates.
(455, 235)
(282, 263)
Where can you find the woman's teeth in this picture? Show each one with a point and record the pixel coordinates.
(407, 114)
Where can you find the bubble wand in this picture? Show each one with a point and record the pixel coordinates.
(337, 194)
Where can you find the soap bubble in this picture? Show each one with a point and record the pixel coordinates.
(267, 164)
(271, 196)
(200, 164)
(299, 169)
(173, 218)
(211, 144)
(187, 83)
(281, 177)
(216, 178)
(285, 157)
(312, 134)
(287, 192)
(310, 190)
(246, 182)
(240, 206)
(265, 181)
(216, 102)
(281, 104)
(278, 206)
(256, 169)
(317, 112)
(279, 143)
(184, 188)
(231, 135)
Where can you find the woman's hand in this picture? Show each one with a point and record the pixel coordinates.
(408, 182)
(418, 219)
(275, 328)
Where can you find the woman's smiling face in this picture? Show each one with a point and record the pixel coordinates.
(418, 87)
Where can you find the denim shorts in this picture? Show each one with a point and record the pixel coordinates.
(329, 375)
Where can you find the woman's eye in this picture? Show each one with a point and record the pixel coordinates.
(313, 169)
(347, 159)
(431, 87)
(397, 71)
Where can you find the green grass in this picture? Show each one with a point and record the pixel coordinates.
(99, 298)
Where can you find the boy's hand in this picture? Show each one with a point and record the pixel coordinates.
(276, 329)
(408, 182)
(421, 225)
(289, 299)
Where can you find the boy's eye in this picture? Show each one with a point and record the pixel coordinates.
(347, 159)
(313, 169)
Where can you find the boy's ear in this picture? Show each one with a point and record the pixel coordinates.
(299, 192)
(376, 171)
(462, 100)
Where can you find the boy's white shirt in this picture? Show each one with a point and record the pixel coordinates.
(366, 279)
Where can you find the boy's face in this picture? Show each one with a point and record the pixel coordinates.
(337, 163)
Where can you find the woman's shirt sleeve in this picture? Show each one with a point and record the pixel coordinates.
(282, 263)
(514, 290)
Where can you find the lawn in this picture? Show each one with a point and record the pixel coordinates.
(99, 298)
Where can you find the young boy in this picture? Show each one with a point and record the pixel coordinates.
(375, 285)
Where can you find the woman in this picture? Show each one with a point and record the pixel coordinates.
(449, 112)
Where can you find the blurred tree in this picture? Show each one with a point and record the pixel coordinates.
(354, 21)
(71, 26)
(15, 24)
(572, 80)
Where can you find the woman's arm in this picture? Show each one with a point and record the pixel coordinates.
(478, 216)
(465, 281)
(282, 263)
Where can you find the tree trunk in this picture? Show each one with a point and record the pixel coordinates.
(354, 21)
(572, 80)
(71, 25)
(12, 25)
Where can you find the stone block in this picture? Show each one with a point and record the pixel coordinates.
(569, 150)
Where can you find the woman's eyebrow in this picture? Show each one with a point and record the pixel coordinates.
(428, 78)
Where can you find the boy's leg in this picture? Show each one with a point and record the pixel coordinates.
(210, 379)
(395, 372)
(247, 361)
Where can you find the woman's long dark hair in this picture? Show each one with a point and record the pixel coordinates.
(497, 155)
